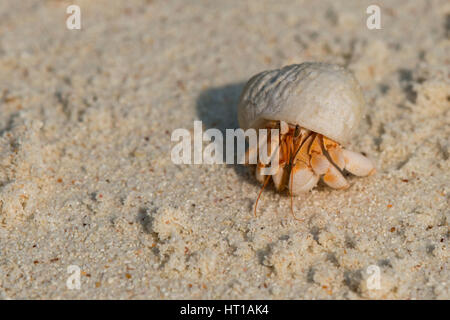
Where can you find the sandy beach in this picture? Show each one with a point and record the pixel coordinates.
(86, 177)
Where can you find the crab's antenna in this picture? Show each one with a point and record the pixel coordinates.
(260, 192)
(290, 191)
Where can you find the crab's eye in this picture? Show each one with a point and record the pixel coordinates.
(297, 131)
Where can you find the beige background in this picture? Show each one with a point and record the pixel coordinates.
(86, 177)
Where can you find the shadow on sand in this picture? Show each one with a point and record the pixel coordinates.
(217, 108)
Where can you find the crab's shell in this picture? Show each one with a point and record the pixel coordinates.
(321, 97)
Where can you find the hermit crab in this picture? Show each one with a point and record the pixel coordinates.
(316, 107)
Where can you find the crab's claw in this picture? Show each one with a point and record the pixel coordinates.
(331, 175)
(302, 179)
(358, 164)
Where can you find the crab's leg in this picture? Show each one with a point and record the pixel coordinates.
(284, 128)
(267, 144)
(251, 155)
(357, 164)
(286, 151)
(303, 134)
(322, 166)
(270, 146)
(335, 179)
(273, 146)
(353, 162)
(334, 151)
(279, 179)
(319, 161)
(302, 177)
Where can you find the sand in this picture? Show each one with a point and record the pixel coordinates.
(86, 177)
